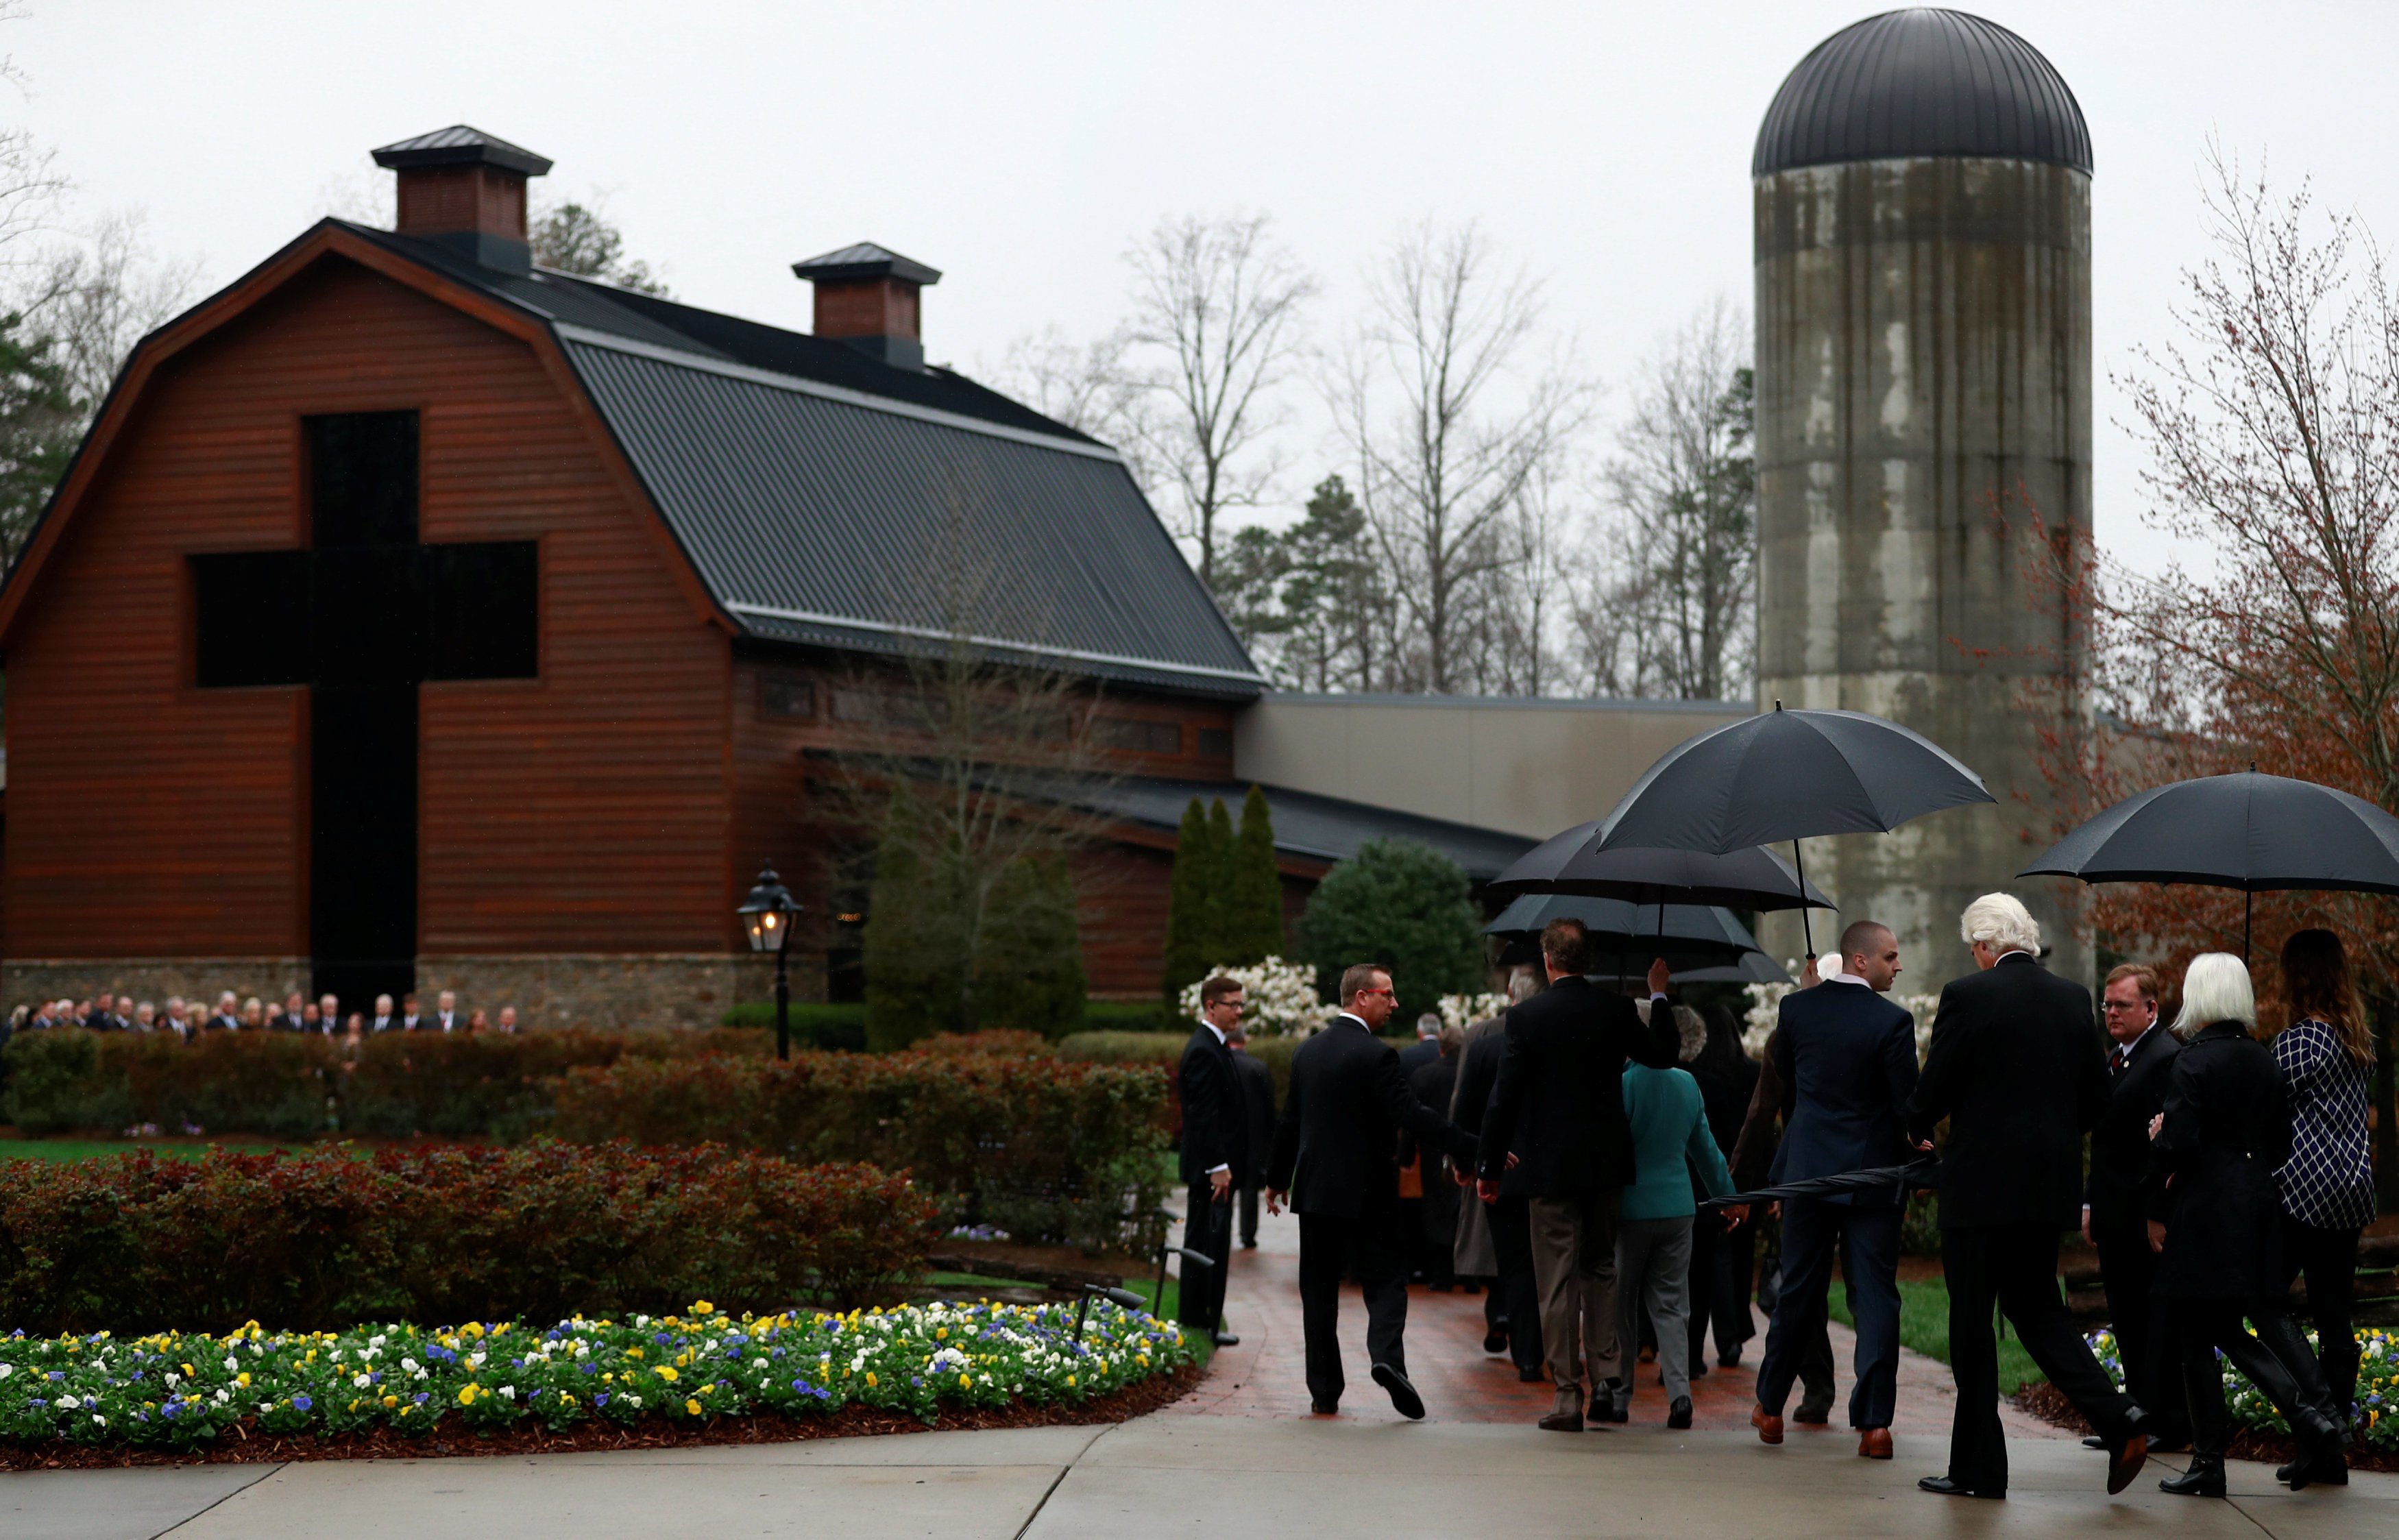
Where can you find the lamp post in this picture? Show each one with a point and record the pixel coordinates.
(766, 919)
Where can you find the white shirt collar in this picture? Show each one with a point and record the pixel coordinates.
(2011, 952)
(2126, 1049)
(1352, 1016)
(1211, 1027)
(1838, 977)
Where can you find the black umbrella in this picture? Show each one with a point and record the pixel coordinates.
(1921, 1172)
(1755, 967)
(1572, 862)
(1786, 775)
(1687, 936)
(2256, 833)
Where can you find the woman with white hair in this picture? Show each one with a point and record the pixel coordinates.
(2225, 1129)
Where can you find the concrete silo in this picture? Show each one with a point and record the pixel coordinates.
(1922, 188)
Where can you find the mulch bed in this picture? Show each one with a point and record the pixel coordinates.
(762, 1429)
(2049, 1403)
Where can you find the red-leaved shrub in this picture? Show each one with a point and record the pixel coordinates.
(323, 1239)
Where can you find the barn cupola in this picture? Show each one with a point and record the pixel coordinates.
(867, 297)
(466, 189)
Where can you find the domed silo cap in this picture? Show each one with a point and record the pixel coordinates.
(1922, 82)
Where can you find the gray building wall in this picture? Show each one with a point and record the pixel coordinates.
(1924, 385)
(1530, 767)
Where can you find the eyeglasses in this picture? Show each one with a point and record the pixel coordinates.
(1376, 991)
(2127, 1005)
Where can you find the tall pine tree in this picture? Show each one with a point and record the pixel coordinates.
(914, 952)
(1029, 963)
(1220, 885)
(1191, 904)
(1252, 888)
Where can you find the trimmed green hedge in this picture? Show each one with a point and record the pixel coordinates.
(844, 1026)
(326, 1238)
(1045, 1149)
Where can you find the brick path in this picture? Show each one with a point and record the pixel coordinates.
(1265, 1375)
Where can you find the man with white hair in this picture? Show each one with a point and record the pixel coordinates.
(2016, 1069)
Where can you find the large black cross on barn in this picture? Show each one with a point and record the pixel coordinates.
(362, 617)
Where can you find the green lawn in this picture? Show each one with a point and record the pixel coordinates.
(91, 1149)
(1924, 1326)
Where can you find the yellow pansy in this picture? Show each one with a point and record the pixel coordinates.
(668, 1373)
(692, 1407)
(391, 1400)
(467, 1393)
(702, 1307)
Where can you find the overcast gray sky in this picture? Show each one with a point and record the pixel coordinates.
(1021, 147)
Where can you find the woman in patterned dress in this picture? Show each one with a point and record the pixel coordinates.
(2327, 1055)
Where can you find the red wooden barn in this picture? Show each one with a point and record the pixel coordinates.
(414, 616)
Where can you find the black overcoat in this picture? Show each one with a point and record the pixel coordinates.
(2227, 1126)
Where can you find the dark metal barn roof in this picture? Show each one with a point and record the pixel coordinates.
(1307, 823)
(1922, 82)
(816, 490)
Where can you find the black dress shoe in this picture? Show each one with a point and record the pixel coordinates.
(1226, 1339)
(1324, 1408)
(1813, 1415)
(1944, 1487)
(2204, 1479)
(1561, 1422)
(1679, 1415)
(2094, 1441)
(1530, 1376)
(1728, 1361)
(1495, 1340)
(1405, 1399)
(1611, 1402)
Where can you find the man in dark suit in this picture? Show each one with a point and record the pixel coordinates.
(2018, 1073)
(228, 1016)
(1425, 1049)
(1512, 1312)
(1258, 1100)
(1215, 1141)
(1336, 1155)
(445, 1012)
(1845, 1057)
(1556, 1133)
(383, 1020)
(2141, 1054)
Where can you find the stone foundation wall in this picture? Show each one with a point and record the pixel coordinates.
(549, 989)
(23, 980)
(613, 989)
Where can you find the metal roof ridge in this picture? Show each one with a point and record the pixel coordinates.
(889, 628)
(1552, 702)
(571, 331)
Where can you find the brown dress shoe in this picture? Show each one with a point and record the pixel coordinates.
(1874, 1443)
(1769, 1429)
(2125, 1462)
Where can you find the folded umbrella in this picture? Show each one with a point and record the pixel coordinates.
(1787, 774)
(1923, 1171)
(2256, 833)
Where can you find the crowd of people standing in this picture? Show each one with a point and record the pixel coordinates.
(187, 1019)
(1612, 1164)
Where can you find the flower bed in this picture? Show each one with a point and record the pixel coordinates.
(2377, 1389)
(183, 1391)
(330, 1237)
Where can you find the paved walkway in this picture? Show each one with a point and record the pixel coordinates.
(1198, 1477)
(1238, 1459)
(1264, 1376)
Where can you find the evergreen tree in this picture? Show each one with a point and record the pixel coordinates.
(1253, 889)
(1190, 904)
(38, 430)
(1404, 906)
(914, 964)
(1219, 934)
(1029, 966)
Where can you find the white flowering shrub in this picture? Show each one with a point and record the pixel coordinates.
(1279, 998)
(1464, 1010)
(1766, 1006)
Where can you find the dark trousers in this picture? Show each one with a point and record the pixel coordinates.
(1368, 1248)
(1207, 1228)
(2011, 1270)
(2276, 1361)
(1867, 1240)
(2328, 1261)
(1249, 1214)
(1514, 1295)
(1813, 1335)
(2146, 1344)
(1719, 1286)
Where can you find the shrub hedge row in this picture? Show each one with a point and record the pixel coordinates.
(133, 1243)
(1044, 1148)
(844, 1026)
(994, 1127)
(294, 1086)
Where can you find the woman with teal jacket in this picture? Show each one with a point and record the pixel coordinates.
(1670, 1145)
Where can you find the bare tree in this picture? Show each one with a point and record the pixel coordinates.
(1217, 307)
(1088, 386)
(1677, 572)
(1449, 421)
(97, 294)
(30, 180)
